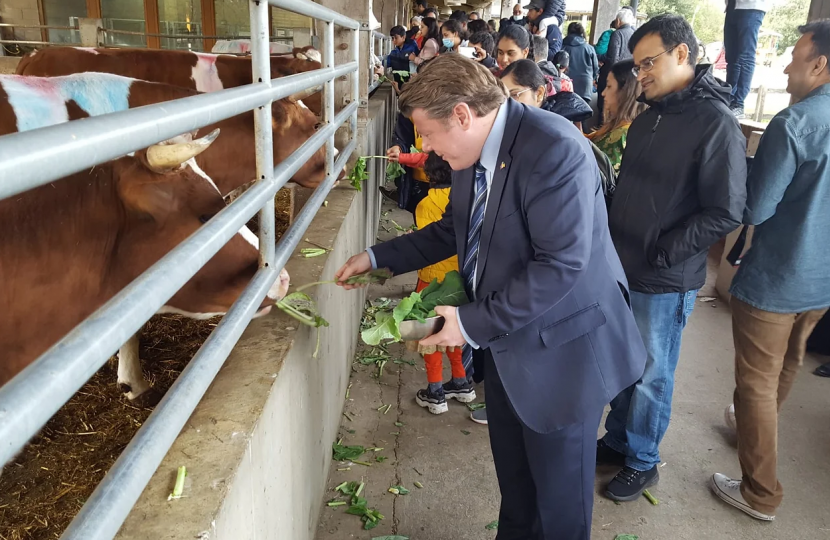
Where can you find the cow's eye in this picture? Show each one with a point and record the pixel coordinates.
(317, 126)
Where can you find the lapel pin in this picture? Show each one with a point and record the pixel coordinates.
(502, 165)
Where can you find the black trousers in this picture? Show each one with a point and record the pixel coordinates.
(546, 480)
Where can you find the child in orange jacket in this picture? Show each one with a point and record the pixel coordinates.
(429, 210)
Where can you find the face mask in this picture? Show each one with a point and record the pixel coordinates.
(517, 17)
(449, 43)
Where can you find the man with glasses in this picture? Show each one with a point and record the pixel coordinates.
(682, 187)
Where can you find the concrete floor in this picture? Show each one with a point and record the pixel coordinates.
(460, 493)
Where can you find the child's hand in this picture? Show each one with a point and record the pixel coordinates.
(393, 153)
(412, 57)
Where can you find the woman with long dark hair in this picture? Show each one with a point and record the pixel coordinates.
(527, 84)
(431, 33)
(515, 43)
(621, 108)
(452, 35)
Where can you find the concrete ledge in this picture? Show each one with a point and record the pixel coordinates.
(258, 446)
(8, 64)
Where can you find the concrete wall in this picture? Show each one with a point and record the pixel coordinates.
(20, 12)
(8, 64)
(258, 447)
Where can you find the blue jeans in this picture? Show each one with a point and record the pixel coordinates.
(640, 415)
(740, 39)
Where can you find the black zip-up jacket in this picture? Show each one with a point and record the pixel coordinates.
(681, 187)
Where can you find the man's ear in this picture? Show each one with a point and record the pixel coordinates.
(819, 66)
(682, 51)
(463, 115)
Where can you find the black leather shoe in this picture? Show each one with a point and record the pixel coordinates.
(629, 484)
(608, 456)
(391, 194)
(823, 370)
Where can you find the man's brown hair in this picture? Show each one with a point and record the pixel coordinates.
(449, 80)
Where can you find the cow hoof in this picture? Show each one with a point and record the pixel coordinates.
(148, 398)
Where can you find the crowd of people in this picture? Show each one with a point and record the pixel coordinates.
(583, 253)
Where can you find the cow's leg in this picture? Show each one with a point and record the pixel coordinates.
(130, 378)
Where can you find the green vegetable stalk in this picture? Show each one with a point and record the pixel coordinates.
(360, 172)
(179, 487)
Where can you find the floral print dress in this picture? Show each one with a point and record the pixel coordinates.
(613, 144)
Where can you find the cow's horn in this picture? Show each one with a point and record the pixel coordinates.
(166, 157)
(306, 93)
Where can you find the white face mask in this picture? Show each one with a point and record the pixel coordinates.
(517, 17)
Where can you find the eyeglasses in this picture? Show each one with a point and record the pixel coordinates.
(515, 95)
(648, 63)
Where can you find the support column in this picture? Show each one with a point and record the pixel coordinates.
(151, 23)
(819, 9)
(604, 12)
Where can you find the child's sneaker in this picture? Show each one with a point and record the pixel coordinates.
(463, 392)
(435, 403)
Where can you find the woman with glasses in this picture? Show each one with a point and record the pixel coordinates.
(621, 108)
(526, 84)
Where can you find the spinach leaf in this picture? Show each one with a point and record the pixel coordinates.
(404, 307)
(386, 327)
(346, 453)
(450, 292)
(394, 170)
(359, 174)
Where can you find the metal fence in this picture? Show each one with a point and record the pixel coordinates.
(380, 45)
(35, 158)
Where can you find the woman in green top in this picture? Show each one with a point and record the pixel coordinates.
(621, 108)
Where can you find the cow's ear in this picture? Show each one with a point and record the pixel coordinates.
(147, 195)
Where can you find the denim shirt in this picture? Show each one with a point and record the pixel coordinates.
(787, 268)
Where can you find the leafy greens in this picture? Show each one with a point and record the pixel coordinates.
(416, 307)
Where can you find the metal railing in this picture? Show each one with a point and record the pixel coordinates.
(35, 158)
(380, 45)
(36, 42)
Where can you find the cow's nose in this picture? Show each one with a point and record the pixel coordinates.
(280, 287)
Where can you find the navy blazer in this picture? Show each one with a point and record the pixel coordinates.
(551, 297)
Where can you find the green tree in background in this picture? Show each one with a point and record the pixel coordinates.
(785, 19)
(705, 17)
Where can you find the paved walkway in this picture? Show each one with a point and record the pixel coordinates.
(450, 455)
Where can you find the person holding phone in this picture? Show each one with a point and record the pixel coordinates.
(484, 46)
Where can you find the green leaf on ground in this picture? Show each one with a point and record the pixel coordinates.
(398, 490)
(391, 537)
(626, 537)
(346, 453)
(476, 406)
(492, 526)
(465, 432)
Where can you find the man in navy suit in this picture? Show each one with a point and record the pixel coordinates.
(527, 219)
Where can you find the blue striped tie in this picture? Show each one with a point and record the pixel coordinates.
(468, 269)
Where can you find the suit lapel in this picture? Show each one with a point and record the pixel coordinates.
(511, 128)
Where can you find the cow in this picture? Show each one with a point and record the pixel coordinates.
(32, 102)
(202, 72)
(67, 247)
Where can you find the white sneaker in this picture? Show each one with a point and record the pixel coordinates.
(729, 417)
(729, 491)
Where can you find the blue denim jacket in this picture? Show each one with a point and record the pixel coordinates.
(787, 269)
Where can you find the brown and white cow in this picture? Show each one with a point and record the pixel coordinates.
(203, 72)
(32, 102)
(69, 246)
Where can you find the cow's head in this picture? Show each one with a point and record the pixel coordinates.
(293, 125)
(166, 198)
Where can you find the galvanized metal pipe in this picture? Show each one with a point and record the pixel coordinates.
(36, 393)
(263, 132)
(110, 504)
(34, 158)
(328, 91)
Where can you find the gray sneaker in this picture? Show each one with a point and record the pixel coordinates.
(479, 416)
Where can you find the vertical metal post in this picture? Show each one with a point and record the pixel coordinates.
(261, 65)
(328, 93)
(355, 48)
